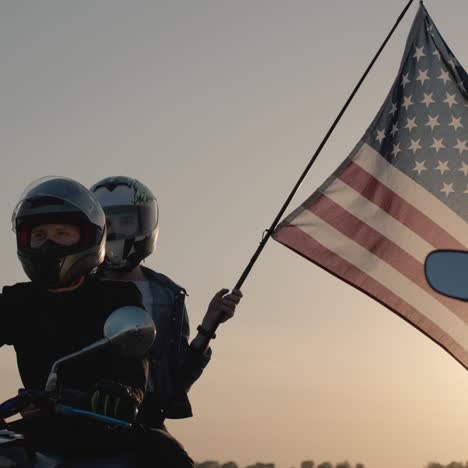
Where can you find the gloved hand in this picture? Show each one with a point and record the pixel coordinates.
(114, 400)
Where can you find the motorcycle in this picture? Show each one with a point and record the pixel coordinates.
(129, 331)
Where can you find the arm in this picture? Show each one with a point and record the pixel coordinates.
(124, 379)
(129, 371)
(193, 359)
(8, 317)
(198, 354)
(220, 309)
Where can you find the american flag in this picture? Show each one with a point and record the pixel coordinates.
(400, 194)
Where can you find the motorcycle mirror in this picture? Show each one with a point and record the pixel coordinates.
(130, 329)
(447, 272)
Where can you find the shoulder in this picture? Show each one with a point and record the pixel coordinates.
(163, 281)
(165, 291)
(18, 289)
(19, 298)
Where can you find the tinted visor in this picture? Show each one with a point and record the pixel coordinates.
(57, 195)
(129, 222)
(28, 240)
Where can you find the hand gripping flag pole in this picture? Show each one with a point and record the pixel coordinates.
(270, 231)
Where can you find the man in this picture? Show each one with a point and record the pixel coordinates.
(60, 232)
(132, 220)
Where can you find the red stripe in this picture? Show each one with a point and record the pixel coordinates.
(300, 242)
(369, 187)
(379, 245)
(24, 236)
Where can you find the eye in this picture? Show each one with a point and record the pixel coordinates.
(37, 234)
(63, 233)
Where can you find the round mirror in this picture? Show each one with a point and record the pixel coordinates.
(447, 272)
(131, 329)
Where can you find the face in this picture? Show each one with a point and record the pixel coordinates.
(124, 224)
(63, 234)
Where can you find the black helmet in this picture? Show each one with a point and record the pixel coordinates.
(132, 221)
(59, 200)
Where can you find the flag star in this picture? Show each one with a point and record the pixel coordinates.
(415, 145)
(450, 99)
(455, 123)
(380, 136)
(406, 80)
(410, 123)
(444, 75)
(447, 189)
(419, 53)
(394, 130)
(461, 85)
(464, 168)
(423, 76)
(429, 28)
(451, 62)
(433, 122)
(461, 146)
(420, 167)
(396, 149)
(428, 100)
(408, 102)
(438, 144)
(443, 167)
(436, 53)
(393, 109)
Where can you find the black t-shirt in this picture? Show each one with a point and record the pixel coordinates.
(44, 326)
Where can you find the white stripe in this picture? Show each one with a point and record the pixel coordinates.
(378, 219)
(371, 161)
(385, 274)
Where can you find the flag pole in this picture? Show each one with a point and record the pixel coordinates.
(268, 233)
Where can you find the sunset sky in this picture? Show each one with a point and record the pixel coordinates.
(217, 106)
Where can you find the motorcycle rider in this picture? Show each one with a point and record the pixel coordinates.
(132, 216)
(60, 234)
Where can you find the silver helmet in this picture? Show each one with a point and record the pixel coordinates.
(132, 217)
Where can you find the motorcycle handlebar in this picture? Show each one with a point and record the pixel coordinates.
(16, 404)
(71, 411)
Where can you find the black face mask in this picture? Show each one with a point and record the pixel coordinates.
(46, 272)
(49, 247)
(47, 261)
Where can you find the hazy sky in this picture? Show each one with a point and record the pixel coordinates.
(218, 106)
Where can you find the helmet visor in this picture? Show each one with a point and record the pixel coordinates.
(60, 195)
(129, 222)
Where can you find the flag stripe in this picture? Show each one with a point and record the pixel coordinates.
(410, 193)
(362, 259)
(301, 242)
(382, 247)
(379, 219)
(370, 188)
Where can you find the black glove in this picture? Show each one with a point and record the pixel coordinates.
(114, 400)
